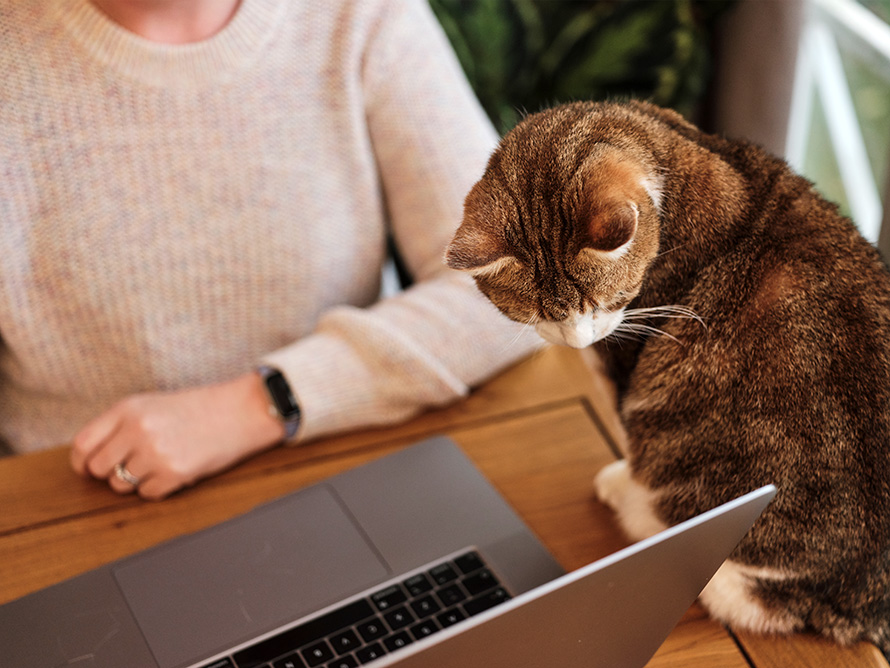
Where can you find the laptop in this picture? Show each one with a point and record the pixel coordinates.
(411, 560)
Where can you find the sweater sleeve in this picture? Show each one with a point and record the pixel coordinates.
(430, 344)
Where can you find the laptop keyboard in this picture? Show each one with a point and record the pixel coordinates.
(386, 620)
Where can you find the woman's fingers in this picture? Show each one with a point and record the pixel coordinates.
(90, 443)
(166, 441)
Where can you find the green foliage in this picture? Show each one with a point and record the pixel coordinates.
(523, 55)
(880, 7)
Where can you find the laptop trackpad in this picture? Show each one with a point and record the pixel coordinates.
(203, 593)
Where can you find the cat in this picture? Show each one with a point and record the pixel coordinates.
(746, 325)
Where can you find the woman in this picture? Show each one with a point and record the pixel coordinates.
(195, 197)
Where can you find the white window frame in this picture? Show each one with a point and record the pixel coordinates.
(819, 72)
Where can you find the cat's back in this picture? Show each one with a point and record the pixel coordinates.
(798, 247)
(791, 355)
(786, 239)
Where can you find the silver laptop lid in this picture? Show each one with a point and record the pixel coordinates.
(614, 613)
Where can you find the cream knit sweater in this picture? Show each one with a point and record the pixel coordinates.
(174, 215)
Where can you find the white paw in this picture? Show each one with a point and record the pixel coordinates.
(611, 483)
(632, 502)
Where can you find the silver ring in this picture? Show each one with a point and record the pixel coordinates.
(125, 476)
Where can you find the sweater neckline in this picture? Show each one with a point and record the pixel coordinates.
(214, 60)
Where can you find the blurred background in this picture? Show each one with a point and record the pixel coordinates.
(809, 80)
(523, 55)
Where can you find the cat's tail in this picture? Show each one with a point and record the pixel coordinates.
(845, 632)
(771, 602)
(847, 627)
(856, 613)
(881, 638)
(734, 596)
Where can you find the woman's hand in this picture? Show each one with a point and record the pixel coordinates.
(169, 440)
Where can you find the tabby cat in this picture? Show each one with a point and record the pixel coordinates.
(746, 324)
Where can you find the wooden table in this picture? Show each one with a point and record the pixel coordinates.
(539, 432)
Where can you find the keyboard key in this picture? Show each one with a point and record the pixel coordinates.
(264, 651)
(425, 607)
(479, 582)
(450, 617)
(345, 642)
(220, 663)
(426, 628)
(417, 584)
(290, 661)
(468, 562)
(317, 654)
(397, 641)
(371, 630)
(451, 595)
(369, 653)
(389, 597)
(343, 662)
(486, 601)
(416, 608)
(443, 574)
(398, 618)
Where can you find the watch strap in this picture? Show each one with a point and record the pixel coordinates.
(282, 401)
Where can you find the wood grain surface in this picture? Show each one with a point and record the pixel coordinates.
(539, 433)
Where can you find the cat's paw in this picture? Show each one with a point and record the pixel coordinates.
(611, 483)
(632, 502)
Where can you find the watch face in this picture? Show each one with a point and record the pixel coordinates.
(280, 392)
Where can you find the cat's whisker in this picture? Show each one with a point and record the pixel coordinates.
(627, 332)
(531, 322)
(669, 250)
(644, 331)
(670, 311)
(619, 336)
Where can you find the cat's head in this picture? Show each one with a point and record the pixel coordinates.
(563, 224)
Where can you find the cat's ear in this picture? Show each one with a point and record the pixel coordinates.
(476, 251)
(611, 228)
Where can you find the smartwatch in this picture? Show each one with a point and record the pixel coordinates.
(282, 403)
